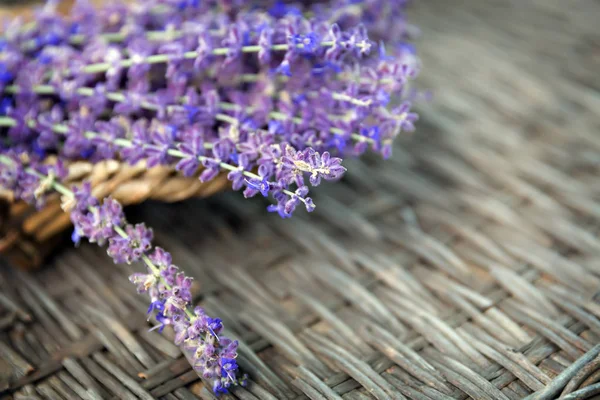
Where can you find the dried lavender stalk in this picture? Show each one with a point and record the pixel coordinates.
(213, 355)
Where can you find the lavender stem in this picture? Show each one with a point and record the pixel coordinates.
(190, 55)
(63, 129)
(162, 35)
(119, 97)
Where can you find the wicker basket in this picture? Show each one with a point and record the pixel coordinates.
(29, 234)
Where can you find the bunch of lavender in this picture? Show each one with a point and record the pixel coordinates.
(269, 92)
(266, 96)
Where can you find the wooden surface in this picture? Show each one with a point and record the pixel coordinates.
(466, 266)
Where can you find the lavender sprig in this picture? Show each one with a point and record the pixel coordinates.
(213, 355)
(281, 160)
(378, 14)
(119, 97)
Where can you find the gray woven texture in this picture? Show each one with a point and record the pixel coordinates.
(466, 266)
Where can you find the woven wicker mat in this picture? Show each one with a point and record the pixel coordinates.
(467, 266)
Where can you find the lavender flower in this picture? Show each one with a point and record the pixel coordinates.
(130, 247)
(191, 149)
(295, 163)
(97, 223)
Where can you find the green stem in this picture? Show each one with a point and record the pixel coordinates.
(189, 55)
(120, 97)
(165, 35)
(7, 121)
(63, 129)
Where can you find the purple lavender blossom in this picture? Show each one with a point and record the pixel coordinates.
(97, 223)
(136, 151)
(84, 199)
(130, 248)
(406, 118)
(104, 142)
(161, 140)
(161, 258)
